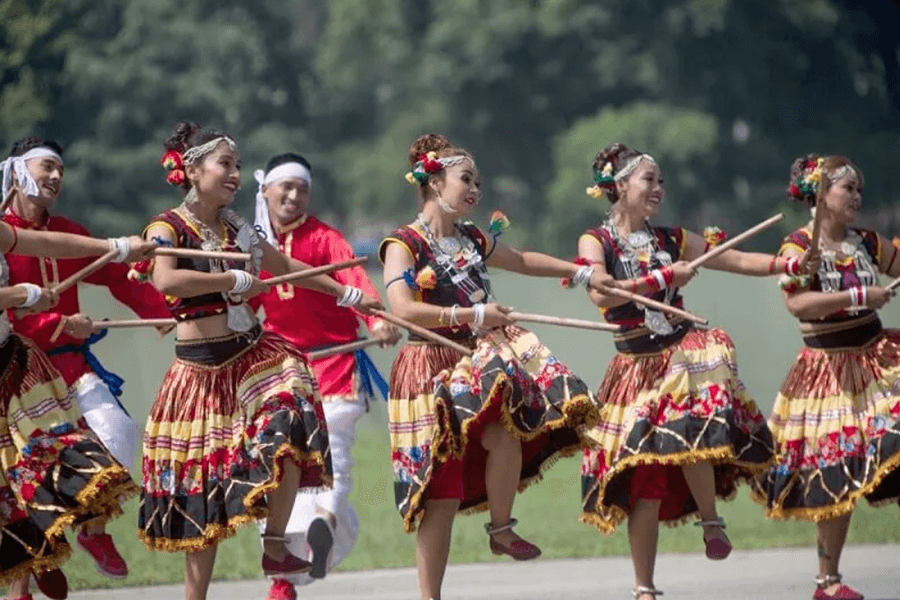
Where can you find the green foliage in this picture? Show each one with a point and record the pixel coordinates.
(724, 93)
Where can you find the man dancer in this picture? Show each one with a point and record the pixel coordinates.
(322, 527)
(65, 333)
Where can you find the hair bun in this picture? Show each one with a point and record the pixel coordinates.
(178, 140)
(430, 142)
(609, 154)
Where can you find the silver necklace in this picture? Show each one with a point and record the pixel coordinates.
(458, 258)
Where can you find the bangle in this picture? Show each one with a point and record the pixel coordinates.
(657, 275)
(442, 317)
(352, 297)
(858, 297)
(583, 276)
(668, 275)
(32, 295)
(478, 319)
(122, 246)
(792, 266)
(16, 242)
(772, 263)
(242, 282)
(454, 321)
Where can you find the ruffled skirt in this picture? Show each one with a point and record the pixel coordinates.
(661, 411)
(836, 423)
(54, 472)
(441, 403)
(218, 435)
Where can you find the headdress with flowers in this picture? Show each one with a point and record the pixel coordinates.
(173, 162)
(604, 180)
(426, 165)
(807, 184)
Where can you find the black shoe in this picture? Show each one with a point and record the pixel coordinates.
(320, 540)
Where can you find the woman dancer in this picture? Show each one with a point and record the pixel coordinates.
(677, 427)
(835, 420)
(489, 423)
(54, 471)
(238, 425)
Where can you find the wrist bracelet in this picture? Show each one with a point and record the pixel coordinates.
(242, 282)
(772, 264)
(659, 277)
(478, 319)
(583, 276)
(352, 297)
(454, 321)
(121, 245)
(442, 317)
(33, 295)
(792, 266)
(858, 297)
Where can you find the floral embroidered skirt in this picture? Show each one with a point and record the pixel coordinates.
(836, 423)
(229, 413)
(441, 403)
(55, 472)
(661, 411)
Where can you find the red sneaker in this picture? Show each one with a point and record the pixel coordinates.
(282, 590)
(101, 548)
(53, 583)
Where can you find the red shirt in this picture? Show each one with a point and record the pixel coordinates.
(311, 319)
(46, 329)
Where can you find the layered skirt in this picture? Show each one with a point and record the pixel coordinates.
(836, 422)
(662, 410)
(441, 402)
(229, 413)
(54, 472)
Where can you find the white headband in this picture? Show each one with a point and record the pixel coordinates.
(17, 165)
(631, 165)
(290, 170)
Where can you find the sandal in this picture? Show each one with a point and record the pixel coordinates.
(519, 549)
(843, 592)
(288, 565)
(716, 549)
(641, 590)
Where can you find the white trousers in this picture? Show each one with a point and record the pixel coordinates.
(118, 432)
(334, 503)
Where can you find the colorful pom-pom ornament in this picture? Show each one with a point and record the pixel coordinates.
(172, 160)
(426, 165)
(793, 283)
(426, 279)
(595, 191)
(176, 176)
(713, 236)
(810, 180)
(498, 223)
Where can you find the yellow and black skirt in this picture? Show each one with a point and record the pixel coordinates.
(836, 423)
(229, 413)
(441, 402)
(675, 401)
(55, 472)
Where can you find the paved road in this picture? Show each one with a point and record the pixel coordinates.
(781, 574)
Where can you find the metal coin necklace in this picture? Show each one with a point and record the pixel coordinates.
(458, 258)
(642, 244)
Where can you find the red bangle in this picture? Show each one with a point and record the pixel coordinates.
(668, 275)
(792, 266)
(15, 239)
(772, 264)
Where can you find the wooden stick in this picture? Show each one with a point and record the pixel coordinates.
(563, 321)
(735, 241)
(421, 331)
(76, 277)
(98, 325)
(655, 304)
(193, 253)
(8, 198)
(315, 271)
(342, 349)
(892, 285)
(817, 220)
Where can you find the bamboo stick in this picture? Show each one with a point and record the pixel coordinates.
(315, 271)
(81, 274)
(342, 348)
(817, 219)
(194, 253)
(421, 331)
(126, 323)
(893, 285)
(697, 262)
(655, 304)
(563, 321)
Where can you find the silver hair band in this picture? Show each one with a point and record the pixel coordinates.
(631, 165)
(192, 155)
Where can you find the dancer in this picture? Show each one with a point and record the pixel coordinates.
(66, 335)
(237, 427)
(489, 424)
(835, 420)
(54, 471)
(677, 427)
(322, 527)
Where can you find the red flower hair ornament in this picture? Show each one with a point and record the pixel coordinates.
(173, 162)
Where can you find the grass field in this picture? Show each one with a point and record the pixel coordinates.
(749, 309)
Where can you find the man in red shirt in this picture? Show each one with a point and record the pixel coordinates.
(324, 526)
(66, 334)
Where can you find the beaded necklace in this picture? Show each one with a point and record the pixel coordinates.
(459, 259)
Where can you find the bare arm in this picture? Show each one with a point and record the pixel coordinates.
(29, 242)
(734, 261)
(890, 259)
(183, 283)
(535, 264)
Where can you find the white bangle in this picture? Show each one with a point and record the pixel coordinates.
(242, 282)
(478, 319)
(659, 277)
(33, 294)
(122, 246)
(352, 297)
(864, 296)
(454, 321)
(583, 275)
